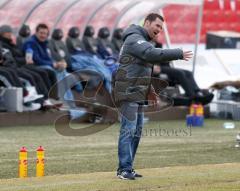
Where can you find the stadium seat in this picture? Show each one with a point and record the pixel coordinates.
(211, 4)
(237, 4)
(224, 26)
(208, 16)
(105, 47)
(23, 34)
(221, 16)
(170, 14)
(89, 41)
(203, 29)
(211, 26)
(232, 16)
(58, 49)
(74, 44)
(238, 27)
(227, 5)
(215, 17)
(117, 40)
(238, 14)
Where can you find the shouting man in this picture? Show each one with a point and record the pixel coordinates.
(132, 85)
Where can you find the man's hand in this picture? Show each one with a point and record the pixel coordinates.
(61, 65)
(29, 61)
(187, 55)
(156, 69)
(55, 65)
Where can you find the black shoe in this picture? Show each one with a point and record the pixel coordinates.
(181, 100)
(125, 175)
(204, 99)
(118, 171)
(136, 175)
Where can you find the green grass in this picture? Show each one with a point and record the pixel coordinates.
(211, 144)
(220, 177)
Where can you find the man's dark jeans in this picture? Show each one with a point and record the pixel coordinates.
(130, 133)
(183, 77)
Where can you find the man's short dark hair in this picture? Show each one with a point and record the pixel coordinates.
(152, 17)
(41, 26)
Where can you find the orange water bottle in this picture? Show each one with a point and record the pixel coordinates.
(23, 163)
(40, 162)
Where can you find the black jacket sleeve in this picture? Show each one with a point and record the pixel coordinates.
(137, 46)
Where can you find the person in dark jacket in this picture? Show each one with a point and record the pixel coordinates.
(38, 44)
(186, 79)
(132, 82)
(45, 78)
(10, 78)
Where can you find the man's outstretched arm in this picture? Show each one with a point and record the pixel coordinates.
(137, 46)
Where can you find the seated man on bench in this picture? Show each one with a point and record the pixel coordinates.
(185, 79)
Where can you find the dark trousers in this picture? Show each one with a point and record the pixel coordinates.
(33, 78)
(52, 78)
(48, 77)
(44, 74)
(130, 134)
(42, 79)
(12, 78)
(182, 77)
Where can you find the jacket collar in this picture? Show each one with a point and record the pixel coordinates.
(145, 33)
(36, 39)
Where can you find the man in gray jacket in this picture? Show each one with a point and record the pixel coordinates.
(132, 85)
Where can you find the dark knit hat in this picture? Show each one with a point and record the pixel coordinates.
(5, 29)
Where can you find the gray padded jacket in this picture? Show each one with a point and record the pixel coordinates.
(137, 57)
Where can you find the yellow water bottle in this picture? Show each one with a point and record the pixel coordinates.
(40, 162)
(193, 109)
(23, 163)
(200, 110)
